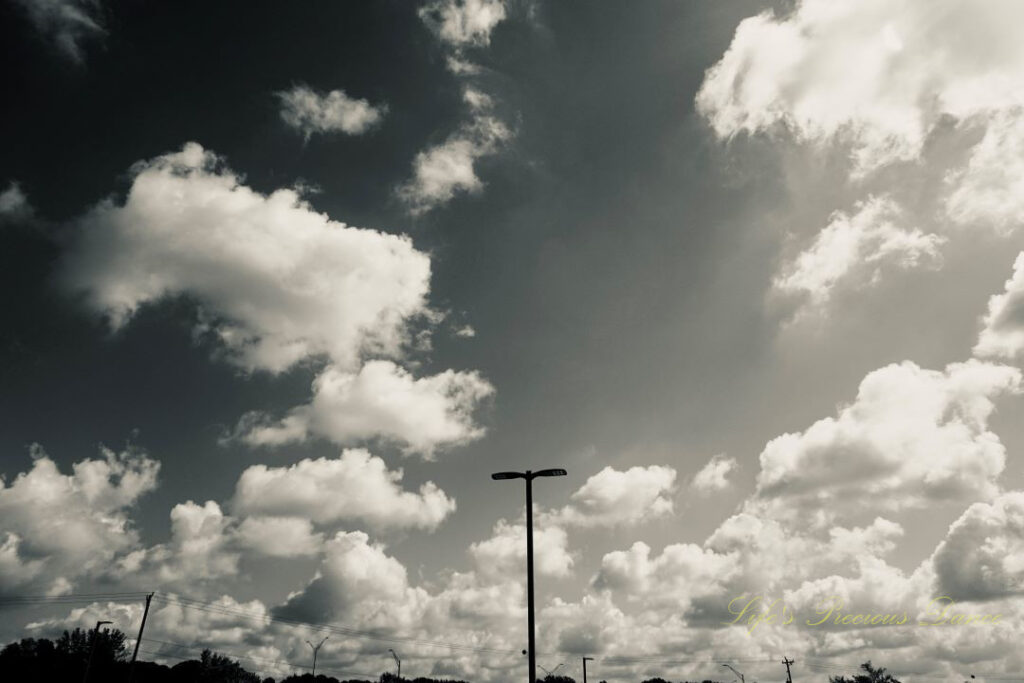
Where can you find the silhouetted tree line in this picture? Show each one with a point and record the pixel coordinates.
(107, 658)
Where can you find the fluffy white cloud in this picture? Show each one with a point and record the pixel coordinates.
(309, 112)
(279, 536)
(442, 171)
(671, 581)
(504, 553)
(463, 22)
(855, 249)
(358, 583)
(714, 476)
(911, 436)
(982, 556)
(67, 22)
(55, 527)
(355, 487)
(990, 189)
(1003, 332)
(380, 400)
(200, 550)
(615, 497)
(876, 74)
(276, 281)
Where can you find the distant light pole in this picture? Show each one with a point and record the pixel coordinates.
(316, 650)
(529, 477)
(397, 661)
(742, 680)
(585, 660)
(552, 672)
(92, 650)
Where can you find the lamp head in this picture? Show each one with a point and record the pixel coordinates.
(554, 472)
(507, 475)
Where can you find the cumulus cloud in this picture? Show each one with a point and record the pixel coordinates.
(276, 281)
(355, 487)
(911, 436)
(672, 580)
(714, 476)
(989, 190)
(504, 553)
(982, 556)
(56, 527)
(380, 400)
(358, 582)
(875, 75)
(68, 23)
(855, 250)
(309, 112)
(279, 536)
(463, 22)
(1002, 334)
(442, 171)
(619, 497)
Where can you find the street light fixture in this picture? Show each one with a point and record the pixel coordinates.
(735, 672)
(529, 477)
(316, 650)
(552, 672)
(92, 650)
(397, 661)
(585, 660)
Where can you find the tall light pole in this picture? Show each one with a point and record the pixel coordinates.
(529, 477)
(585, 660)
(552, 672)
(92, 650)
(397, 661)
(742, 680)
(316, 650)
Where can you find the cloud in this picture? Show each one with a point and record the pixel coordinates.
(990, 189)
(619, 497)
(279, 536)
(380, 400)
(358, 583)
(442, 171)
(864, 72)
(357, 487)
(855, 249)
(910, 437)
(1003, 333)
(275, 281)
(714, 476)
(684, 573)
(982, 556)
(463, 22)
(504, 553)
(68, 23)
(56, 527)
(309, 112)
(13, 202)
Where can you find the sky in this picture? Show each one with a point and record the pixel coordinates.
(284, 283)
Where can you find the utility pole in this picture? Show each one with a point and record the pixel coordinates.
(585, 660)
(529, 477)
(787, 661)
(92, 650)
(397, 661)
(138, 641)
(316, 649)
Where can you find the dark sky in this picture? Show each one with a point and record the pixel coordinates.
(616, 262)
